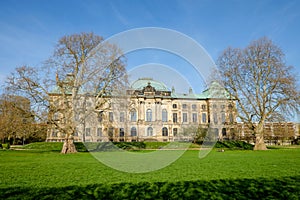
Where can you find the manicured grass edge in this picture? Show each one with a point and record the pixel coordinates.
(283, 188)
(57, 146)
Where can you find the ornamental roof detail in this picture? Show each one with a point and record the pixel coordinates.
(141, 83)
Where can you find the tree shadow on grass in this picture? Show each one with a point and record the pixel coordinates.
(261, 188)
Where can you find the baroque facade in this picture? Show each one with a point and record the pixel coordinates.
(152, 112)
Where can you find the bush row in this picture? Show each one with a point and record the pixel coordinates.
(107, 146)
(283, 188)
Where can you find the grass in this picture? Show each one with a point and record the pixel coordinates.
(40, 168)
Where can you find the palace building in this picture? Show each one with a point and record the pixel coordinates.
(152, 112)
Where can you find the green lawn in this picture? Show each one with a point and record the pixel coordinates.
(36, 169)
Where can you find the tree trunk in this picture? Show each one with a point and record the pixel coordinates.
(260, 143)
(69, 146)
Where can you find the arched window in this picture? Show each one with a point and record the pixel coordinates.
(149, 115)
(133, 115)
(133, 131)
(164, 115)
(149, 131)
(164, 131)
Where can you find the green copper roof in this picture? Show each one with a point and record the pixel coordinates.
(215, 90)
(143, 82)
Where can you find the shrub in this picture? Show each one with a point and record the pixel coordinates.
(234, 145)
(44, 146)
(6, 146)
(1, 146)
(80, 147)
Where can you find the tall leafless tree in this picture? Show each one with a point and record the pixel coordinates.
(82, 66)
(264, 87)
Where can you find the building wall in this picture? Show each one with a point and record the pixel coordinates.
(181, 114)
(219, 114)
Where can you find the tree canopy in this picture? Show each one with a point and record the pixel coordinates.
(264, 87)
(81, 64)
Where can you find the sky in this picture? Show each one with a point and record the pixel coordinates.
(30, 29)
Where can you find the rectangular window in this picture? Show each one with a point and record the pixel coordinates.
(122, 116)
(164, 115)
(223, 117)
(76, 132)
(111, 132)
(55, 116)
(149, 115)
(174, 105)
(184, 117)
(133, 115)
(184, 106)
(194, 116)
(122, 133)
(111, 116)
(231, 118)
(76, 117)
(203, 117)
(99, 132)
(100, 117)
(88, 131)
(174, 117)
(215, 116)
(194, 106)
(54, 133)
(203, 107)
(88, 104)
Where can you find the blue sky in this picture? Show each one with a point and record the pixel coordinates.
(30, 29)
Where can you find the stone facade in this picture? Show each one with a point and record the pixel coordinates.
(152, 112)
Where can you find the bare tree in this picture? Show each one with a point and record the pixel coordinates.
(82, 68)
(263, 86)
